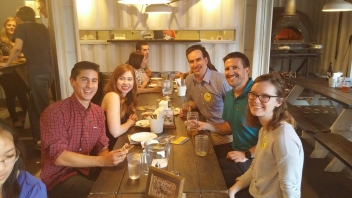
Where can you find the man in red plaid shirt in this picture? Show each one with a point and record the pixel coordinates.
(73, 137)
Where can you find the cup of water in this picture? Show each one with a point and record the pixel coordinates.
(201, 142)
(133, 160)
(166, 90)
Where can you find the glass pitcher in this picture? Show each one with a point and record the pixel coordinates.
(156, 153)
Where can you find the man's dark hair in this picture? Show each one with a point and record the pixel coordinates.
(245, 61)
(139, 45)
(26, 14)
(204, 53)
(83, 65)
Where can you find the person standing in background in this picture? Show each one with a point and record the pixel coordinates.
(44, 11)
(33, 39)
(42, 8)
(10, 81)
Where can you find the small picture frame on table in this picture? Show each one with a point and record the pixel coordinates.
(161, 183)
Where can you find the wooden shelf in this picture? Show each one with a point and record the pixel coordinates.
(154, 41)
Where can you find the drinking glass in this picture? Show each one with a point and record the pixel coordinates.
(134, 162)
(166, 90)
(201, 144)
(192, 122)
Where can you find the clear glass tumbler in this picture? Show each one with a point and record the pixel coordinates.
(192, 122)
(201, 144)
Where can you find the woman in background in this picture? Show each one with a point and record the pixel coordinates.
(10, 81)
(276, 170)
(120, 102)
(137, 60)
(15, 181)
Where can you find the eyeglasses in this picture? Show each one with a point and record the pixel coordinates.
(11, 159)
(262, 98)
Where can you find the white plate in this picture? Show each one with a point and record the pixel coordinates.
(143, 136)
(152, 85)
(143, 123)
(156, 78)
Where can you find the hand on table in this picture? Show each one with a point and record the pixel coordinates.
(236, 156)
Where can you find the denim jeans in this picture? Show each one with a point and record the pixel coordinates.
(38, 100)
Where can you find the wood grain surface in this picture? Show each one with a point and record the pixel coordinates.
(202, 175)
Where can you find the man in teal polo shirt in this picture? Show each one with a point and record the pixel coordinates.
(236, 157)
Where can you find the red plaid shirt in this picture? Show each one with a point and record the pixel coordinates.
(67, 125)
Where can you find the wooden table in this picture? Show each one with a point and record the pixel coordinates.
(202, 175)
(342, 103)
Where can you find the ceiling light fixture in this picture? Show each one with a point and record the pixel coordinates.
(337, 6)
(143, 1)
(158, 9)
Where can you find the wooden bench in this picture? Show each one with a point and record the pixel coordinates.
(337, 145)
(311, 122)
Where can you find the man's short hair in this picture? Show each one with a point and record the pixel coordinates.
(245, 61)
(26, 13)
(83, 65)
(139, 45)
(43, 1)
(197, 47)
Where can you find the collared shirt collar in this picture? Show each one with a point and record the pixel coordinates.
(206, 77)
(78, 104)
(246, 89)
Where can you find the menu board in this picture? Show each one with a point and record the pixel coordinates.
(163, 184)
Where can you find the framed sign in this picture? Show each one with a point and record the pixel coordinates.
(162, 184)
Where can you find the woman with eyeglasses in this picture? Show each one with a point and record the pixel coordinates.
(276, 170)
(14, 180)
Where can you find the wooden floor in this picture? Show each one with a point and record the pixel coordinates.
(315, 183)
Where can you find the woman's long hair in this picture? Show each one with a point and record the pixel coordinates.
(11, 188)
(4, 38)
(136, 59)
(279, 113)
(128, 103)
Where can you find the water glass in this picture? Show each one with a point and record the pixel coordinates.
(166, 90)
(134, 163)
(201, 142)
(192, 122)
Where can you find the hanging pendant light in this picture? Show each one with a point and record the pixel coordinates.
(143, 1)
(158, 9)
(337, 6)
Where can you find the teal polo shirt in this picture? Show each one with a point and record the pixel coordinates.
(234, 113)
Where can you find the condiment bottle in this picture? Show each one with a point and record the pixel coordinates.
(329, 72)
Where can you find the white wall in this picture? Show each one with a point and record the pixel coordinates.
(187, 15)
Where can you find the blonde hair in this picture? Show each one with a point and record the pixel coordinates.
(4, 38)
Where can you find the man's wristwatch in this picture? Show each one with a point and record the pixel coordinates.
(248, 155)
